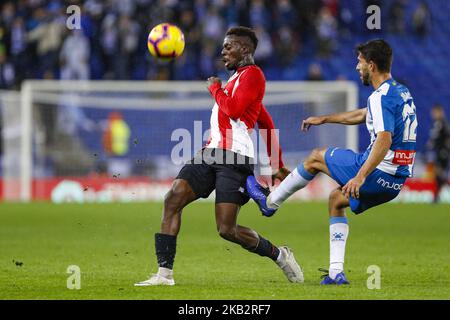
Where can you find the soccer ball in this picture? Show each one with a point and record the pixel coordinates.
(166, 41)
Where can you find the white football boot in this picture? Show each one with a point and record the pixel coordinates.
(286, 261)
(164, 277)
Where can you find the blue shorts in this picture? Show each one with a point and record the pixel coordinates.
(379, 187)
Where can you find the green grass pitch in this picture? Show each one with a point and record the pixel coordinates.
(113, 246)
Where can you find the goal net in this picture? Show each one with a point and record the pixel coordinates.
(87, 141)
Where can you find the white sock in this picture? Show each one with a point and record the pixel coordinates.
(165, 272)
(280, 255)
(296, 180)
(338, 238)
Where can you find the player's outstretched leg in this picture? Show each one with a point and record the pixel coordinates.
(338, 238)
(226, 216)
(296, 180)
(175, 200)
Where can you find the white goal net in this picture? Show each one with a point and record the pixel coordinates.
(88, 141)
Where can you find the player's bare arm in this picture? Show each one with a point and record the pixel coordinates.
(357, 116)
(379, 150)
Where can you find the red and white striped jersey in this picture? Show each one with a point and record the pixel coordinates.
(238, 107)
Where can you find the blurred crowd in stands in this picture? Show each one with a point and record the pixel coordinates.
(36, 43)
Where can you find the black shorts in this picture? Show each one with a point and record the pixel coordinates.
(218, 169)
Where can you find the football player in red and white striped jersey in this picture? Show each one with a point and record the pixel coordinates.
(226, 161)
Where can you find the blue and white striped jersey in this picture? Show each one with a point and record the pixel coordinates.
(391, 108)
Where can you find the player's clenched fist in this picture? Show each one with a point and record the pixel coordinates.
(211, 80)
(281, 174)
(312, 121)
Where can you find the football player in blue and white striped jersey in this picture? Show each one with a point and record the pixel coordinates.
(365, 179)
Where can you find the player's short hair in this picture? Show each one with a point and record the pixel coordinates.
(244, 32)
(378, 51)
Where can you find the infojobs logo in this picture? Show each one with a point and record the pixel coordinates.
(389, 185)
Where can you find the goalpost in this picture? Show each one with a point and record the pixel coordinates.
(61, 130)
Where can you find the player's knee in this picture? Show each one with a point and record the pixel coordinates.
(169, 199)
(314, 158)
(334, 195)
(337, 200)
(317, 154)
(175, 197)
(227, 232)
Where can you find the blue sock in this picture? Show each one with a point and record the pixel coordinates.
(305, 174)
